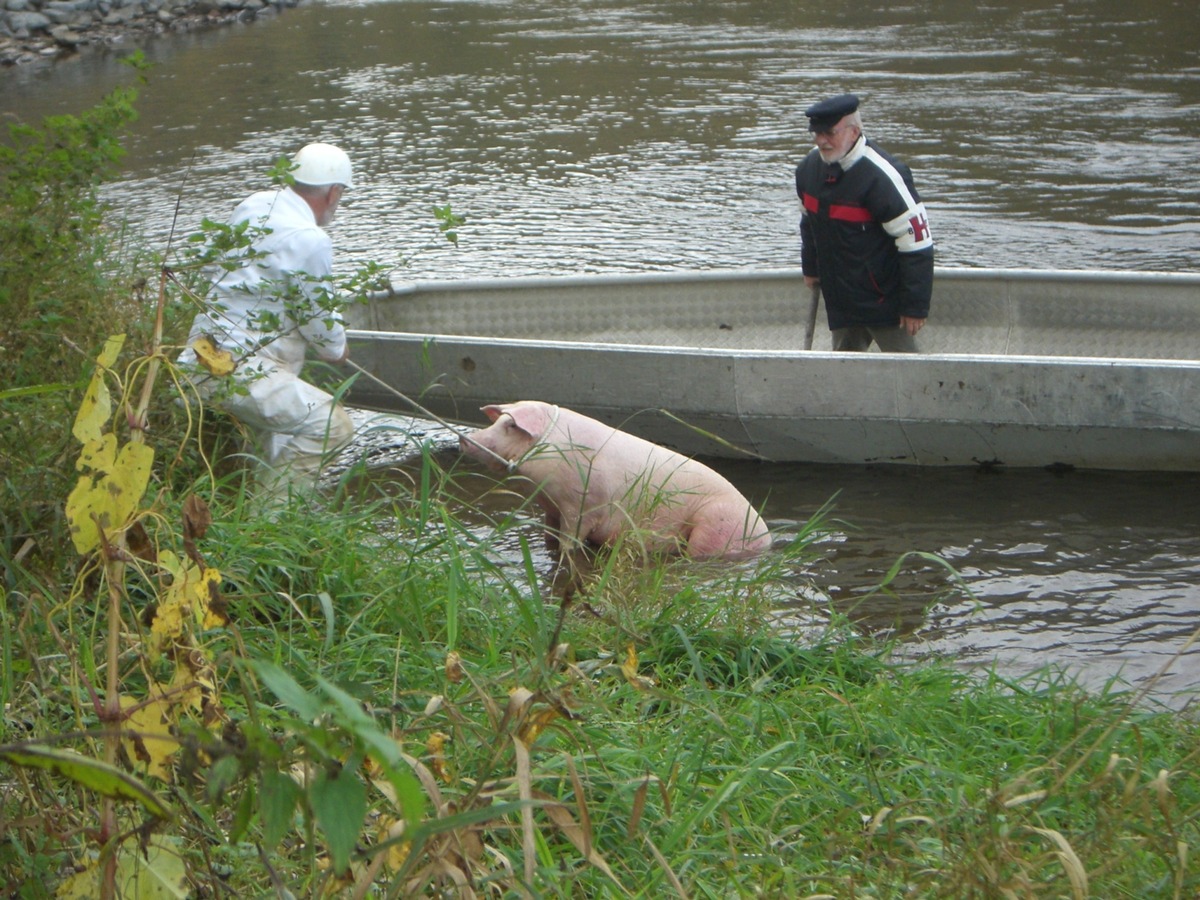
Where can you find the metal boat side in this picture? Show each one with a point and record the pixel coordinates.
(698, 374)
(1002, 311)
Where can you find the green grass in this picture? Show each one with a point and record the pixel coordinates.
(657, 738)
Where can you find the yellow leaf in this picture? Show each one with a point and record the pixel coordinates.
(84, 885)
(112, 349)
(175, 602)
(435, 745)
(85, 507)
(629, 670)
(629, 667)
(210, 607)
(94, 411)
(132, 473)
(106, 500)
(147, 734)
(187, 688)
(168, 620)
(147, 737)
(98, 454)
(217, 361)
(96, 408)
(535, 723)
(391, 830)
(158, 873)
(191, 596)
(189, 600)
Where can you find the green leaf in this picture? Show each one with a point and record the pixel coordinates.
(242, 815)
(91, 773)
(330, 618)
(36, 389)
(448, 220)
(352, 714)
(286, 688)
(221, 776)
(339, 802)
(278, 796)
(380, 747)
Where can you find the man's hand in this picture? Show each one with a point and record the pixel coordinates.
(909, 324)
(810, 280)
(336, 360)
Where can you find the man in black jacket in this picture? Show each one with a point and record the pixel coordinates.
(864, 234)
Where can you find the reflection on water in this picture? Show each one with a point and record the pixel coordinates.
(622, 136)
(633, 136)
(1097, 572)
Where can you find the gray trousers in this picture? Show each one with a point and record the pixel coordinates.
(858, 338)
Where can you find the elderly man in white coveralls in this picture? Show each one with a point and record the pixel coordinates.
(266, 314)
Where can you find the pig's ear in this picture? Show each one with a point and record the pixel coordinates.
(492, 411)
(530, 419)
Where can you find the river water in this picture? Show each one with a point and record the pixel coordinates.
(619, 136)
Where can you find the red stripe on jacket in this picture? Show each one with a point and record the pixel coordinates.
(850, 213)
(839, 212)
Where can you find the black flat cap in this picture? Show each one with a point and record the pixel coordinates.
(824, 115)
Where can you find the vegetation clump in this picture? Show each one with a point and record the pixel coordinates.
(384, 695)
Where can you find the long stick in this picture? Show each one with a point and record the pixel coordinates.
(810, 324)
(417, 407)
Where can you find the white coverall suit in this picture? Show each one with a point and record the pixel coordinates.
(295, 423)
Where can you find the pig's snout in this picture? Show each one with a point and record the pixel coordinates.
(469, 444)
(476, 447)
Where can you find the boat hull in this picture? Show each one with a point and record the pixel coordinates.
(791, 405)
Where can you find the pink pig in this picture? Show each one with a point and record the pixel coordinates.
(595, 483)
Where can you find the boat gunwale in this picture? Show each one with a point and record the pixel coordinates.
(359, 334)
(789, 273)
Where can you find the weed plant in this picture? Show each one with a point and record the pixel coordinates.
(70, 276)
(369, 694)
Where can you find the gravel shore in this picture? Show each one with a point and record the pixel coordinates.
(32, 30)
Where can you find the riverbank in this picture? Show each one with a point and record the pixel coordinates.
(413, 646)
(40, 30)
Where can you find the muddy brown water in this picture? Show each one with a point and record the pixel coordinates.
(640, 136)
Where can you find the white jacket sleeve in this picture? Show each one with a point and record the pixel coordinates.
(310, 258)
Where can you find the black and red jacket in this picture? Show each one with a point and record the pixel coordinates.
(865, 234)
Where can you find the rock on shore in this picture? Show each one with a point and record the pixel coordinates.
(32, 30)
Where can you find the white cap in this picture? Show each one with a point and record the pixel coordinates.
(322, 164)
